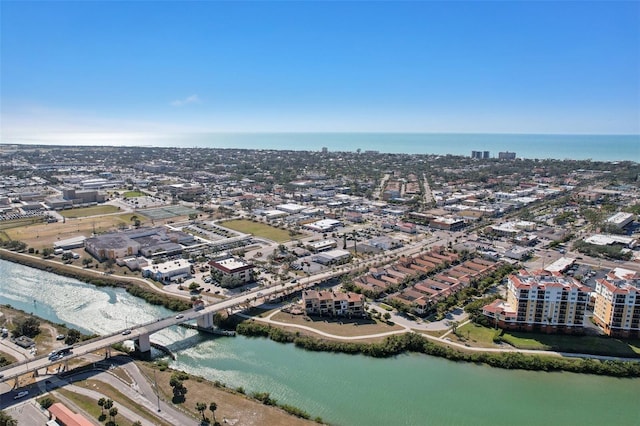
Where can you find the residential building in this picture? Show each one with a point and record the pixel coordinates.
(333, 303)
(541, 300)
(507, 155)
(617, 305)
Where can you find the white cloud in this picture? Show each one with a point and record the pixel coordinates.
(193, 99)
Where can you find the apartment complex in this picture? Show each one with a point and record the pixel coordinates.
(617, 305)
(541, 300)
(333, 303)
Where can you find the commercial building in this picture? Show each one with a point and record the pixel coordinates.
(541, 301)
(332, 257)
(333, 303)
(617, 305)
(166, 272)
(620, 219)
(233, 269)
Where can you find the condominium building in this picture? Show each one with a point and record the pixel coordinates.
(617, 305)
(234, 270)
(333, 303)
(541, 300)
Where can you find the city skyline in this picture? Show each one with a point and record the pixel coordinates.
(84, 72)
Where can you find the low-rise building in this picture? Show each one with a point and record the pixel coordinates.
(233, 271)
(167, 272)
(541, 300)
(333, 303)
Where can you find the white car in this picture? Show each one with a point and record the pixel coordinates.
(180, 316)
(21, 394)
(124, 333)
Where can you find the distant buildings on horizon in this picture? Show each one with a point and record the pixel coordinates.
(485, 155)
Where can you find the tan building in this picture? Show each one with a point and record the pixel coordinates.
(234, 271)
(617, 305)
(541, 301)
(333, 303)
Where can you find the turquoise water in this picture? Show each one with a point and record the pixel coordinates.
(343, 389)
(581, 147)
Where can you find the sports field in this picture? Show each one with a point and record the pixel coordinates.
(89, 211)
(166, 212)
(258, 229)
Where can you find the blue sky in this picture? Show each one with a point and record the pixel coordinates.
(89, 68)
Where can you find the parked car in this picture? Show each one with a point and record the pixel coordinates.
(21, 394)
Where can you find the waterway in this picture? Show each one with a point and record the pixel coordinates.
(343, 389)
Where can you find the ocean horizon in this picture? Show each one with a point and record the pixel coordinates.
(530, 146)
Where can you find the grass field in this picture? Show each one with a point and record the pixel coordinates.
(258, 229)
(475, 335)
(89, 211)
(131, 194)
(576, 344)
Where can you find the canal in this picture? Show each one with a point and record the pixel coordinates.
(409, 389)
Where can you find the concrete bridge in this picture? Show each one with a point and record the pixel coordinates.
(140, 334)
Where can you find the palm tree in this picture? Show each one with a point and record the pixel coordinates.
(101, 403)
(113, 412)
(213, 407)
(201, 406)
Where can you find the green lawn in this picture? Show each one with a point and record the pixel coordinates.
(131, 194)
(476, 335)
(258, 229)
(599, 345)
(89, 211)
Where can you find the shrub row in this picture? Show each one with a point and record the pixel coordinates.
(413, 342)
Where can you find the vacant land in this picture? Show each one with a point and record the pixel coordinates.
(233, 406)
(89, 211)
(42, 235)
(258, 229)
(344, 327)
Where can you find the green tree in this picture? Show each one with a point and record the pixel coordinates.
(101, 403)
(7, 420)
(72, 337)
(46, 252)
(28, 326)
(201, 407)
(86, 261)
(46, 402)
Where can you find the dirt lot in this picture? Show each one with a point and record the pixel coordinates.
(236, 408)
(45, 234)
(338, 326)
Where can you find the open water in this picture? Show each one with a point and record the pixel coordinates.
(577, 147)
(343, 389)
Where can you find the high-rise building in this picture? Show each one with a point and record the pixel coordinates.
(617, 305)
(542, 301)
(486, 155)
(476, 154)
(507, 155)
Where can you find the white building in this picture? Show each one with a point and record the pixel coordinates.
(620, 219)
(169, 271)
